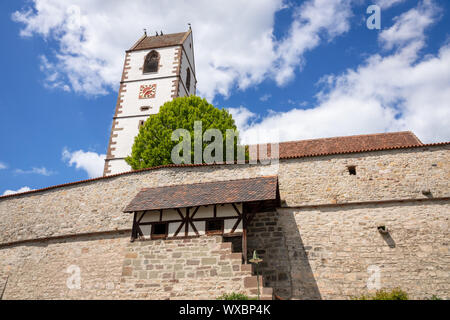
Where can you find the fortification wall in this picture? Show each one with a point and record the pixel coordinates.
(110, 267)
(331, 252)
(41, 270)
(309, 252)
(196, 268)
(97, 205)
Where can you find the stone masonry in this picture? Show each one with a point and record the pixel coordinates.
(110, 267)
(321, 244)
(196, 268)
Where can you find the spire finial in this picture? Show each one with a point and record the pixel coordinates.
(189, 26)
(145, 32)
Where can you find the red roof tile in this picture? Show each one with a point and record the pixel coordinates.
(199, 194)
(413, 140)
(348, 144)
(167, 40)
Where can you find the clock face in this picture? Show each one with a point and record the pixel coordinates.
(147, 91)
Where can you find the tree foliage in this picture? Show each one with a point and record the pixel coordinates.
(234, 296)
(394, 294)
(153, 145)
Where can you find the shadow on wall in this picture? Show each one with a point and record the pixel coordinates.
(285, 266)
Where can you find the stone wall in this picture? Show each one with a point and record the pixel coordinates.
(331, 248)
(310, 251)
(97, 205)
(383, 175)
(40, 270)
(110, 267)
(266, 236)
(196, 268)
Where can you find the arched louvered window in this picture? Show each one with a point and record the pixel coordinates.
(188, 79)
(151, 62)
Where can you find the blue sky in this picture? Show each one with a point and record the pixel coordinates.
(287, 70)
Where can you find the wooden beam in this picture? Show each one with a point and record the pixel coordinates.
(236, 209)
(244, 237)
(195, 211)
(236, 224)
(139, 231)
(142, 215)
(133, 228)
(179, 229)
(181, 215)
(193, 227)
(186, 228)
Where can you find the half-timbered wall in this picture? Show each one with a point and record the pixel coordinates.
(191, 221)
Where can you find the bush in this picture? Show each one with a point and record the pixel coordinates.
(233, 296)
(395, 294)
(434, 297)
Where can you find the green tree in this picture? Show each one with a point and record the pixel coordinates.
(153, 145)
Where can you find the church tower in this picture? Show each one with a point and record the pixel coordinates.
(157, 69)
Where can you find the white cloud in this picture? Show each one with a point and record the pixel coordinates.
(234, 43)
(410, 26)
(265, 97)
(42, 171)
(310, 20)
(93, 163)
(23, 189)
(385, 4)
(242, 117)
(400, 91)
(3, 166)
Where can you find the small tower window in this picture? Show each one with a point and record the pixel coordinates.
(145, 108)
(141, 123)
(151, 62)
(188, 79)
(352, 170)
(214, 226)
(159, 230)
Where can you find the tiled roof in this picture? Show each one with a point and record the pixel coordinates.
(167, 40)
(375, 147)
(348, 144)
(198, 194)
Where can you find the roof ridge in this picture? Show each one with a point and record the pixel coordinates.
(215, 181)
(138, 42)
(160, 41)
(339, 137)
(414, 135)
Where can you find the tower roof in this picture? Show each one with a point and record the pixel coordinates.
(166, 40)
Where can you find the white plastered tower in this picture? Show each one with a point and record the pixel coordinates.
(157, 69)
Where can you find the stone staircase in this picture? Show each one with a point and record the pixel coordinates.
(197, 268)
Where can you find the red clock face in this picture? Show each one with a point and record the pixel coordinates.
(147, 91)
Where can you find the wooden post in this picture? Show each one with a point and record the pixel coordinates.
(244, 236)
(134, 229)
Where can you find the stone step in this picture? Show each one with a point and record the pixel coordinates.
(263, 291)
(252, 282)
(247, 267)
(225, 245)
